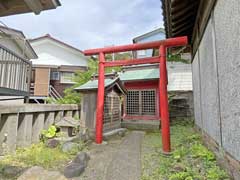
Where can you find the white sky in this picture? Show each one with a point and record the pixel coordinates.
(92, 23)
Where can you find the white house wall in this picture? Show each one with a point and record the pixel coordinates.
(179, 76)
(50, 53)
(217, 86)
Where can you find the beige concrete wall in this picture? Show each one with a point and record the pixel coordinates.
(42, 78)
(21, 125)
(11, 100)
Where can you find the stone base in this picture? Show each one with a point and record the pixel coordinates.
(146, 125)
(120, 132)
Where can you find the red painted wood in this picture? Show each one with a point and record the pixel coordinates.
(162, 45)
(152, 60)
(164, 101)
(142, 84)
(100, 100)
(179, 41)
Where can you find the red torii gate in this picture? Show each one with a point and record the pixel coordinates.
(162, 45)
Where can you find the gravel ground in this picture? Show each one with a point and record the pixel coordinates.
(120, 159)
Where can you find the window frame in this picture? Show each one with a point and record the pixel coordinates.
(52, 76)
(65, 81)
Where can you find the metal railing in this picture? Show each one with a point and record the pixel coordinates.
(53, 93)
(15, 71)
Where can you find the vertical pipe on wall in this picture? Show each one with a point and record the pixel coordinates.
(100, 99)
(164, 101)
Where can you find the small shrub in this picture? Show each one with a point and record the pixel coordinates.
(50, 133)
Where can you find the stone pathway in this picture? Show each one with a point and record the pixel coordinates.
(119, 160)
(126, 163)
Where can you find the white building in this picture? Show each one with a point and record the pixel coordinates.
(55, 67)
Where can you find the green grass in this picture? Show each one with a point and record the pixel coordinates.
(38, 155)
(190, 160)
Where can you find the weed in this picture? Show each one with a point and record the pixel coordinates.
(198, 150)
(39, 155)
(216, 173)
(181, 176)
(49, 133)
(190, 160)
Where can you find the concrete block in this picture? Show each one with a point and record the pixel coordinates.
(58, 115)
(149, 125)
(76, 114)
(68, 113)
(8, 132)
(37, 126)
(24, 130)
(48, 120)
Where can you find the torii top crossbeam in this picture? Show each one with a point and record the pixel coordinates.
(172, 42)
(162, 45)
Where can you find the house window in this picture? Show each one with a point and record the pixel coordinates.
(55, 76)
(67, 77)
(141, 102)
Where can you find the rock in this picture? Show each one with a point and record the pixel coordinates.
(73, 170)
(113, 133)
(84, 135)
(82, 158)
(69, 147)
(77, 166)
(38, 173)
(102, 144)
(122, 133)
(52, 143)
(11, 171)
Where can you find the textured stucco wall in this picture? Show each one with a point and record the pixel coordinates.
(227, 27)
(196, 91)
(209, 84)
(217, 86)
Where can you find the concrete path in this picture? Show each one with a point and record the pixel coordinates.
(126, 163)
(120, 159)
